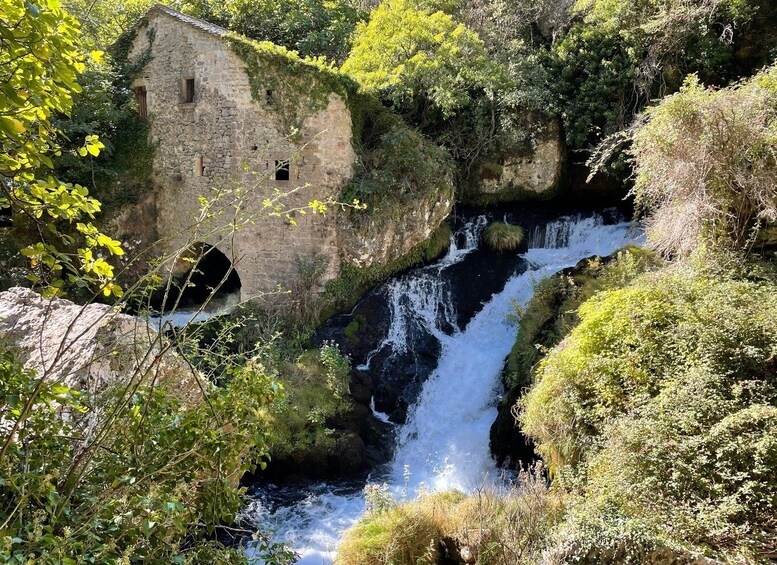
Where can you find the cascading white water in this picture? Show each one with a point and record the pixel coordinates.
(444, 443)
(424, 297)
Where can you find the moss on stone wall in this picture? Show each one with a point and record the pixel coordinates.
(294, 87)
(397, 165)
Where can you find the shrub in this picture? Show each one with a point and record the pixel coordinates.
(397, 165)
(501, 236)
(705, 165)
(659, 411)
(316, 390)
(552, 312)
(495, 526)
(133, 475)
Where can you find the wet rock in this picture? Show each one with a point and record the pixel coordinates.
(509, 447)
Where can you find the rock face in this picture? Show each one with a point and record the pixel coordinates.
(88, 348)
(381, 237)
(530, 174)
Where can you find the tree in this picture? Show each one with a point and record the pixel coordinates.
(620, 54)
(420, 60)
(39, 64)
(103, 21)
(310, 27)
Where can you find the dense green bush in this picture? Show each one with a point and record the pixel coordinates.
(134, 474)
(619, 54)
(396, 163)
(552, 312)
(659, 408)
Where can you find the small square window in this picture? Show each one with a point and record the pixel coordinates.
(282, 170)
(188, 90)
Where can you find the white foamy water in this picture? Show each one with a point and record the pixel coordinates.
(445, 442)
(424, 298)
(218, 305)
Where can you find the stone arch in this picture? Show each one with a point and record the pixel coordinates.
(205, 273)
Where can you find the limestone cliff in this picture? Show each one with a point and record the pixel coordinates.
(380, 238)
(533, 172)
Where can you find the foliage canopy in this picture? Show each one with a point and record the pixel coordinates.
(416, 57)
(39, 65)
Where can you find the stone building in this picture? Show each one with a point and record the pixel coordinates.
(230, 125)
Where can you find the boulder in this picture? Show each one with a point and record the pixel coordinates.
(383, 236)
(88, 348)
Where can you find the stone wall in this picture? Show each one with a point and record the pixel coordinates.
(224, 146)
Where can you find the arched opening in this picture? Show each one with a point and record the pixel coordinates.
(211, 279)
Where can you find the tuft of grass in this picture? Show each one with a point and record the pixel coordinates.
(493, 526)
(501, 236)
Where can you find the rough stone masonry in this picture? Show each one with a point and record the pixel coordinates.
(214, 140)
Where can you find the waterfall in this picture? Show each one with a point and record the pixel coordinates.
(445, 442)
(423, 298)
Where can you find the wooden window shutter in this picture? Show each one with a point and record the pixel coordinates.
(140, 98)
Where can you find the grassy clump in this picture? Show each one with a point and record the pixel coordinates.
(494, 526)
(660, 414)
(501, 236)
(316, 387)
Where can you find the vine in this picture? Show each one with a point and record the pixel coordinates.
(299, 86)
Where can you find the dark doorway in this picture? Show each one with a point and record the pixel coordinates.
(211, 277)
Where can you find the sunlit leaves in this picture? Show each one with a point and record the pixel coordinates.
(405, 52)
(39, 64)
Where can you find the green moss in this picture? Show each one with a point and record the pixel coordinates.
(300, 86)
(353, 328)
(501, 236)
